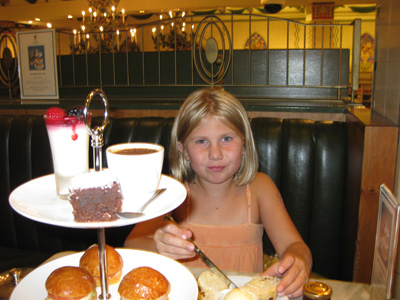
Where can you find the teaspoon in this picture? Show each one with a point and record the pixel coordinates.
(139, 213)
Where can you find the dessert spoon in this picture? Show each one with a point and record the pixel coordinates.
(139, 213)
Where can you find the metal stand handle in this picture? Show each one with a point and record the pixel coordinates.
(97, 143)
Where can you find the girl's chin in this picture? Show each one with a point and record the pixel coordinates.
(216, 178)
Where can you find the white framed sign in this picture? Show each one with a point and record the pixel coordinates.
(37, 64)
(387, 234)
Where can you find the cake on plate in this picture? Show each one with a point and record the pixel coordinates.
(95, 197)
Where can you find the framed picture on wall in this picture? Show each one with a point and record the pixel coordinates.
(37, 64)
(387, 234)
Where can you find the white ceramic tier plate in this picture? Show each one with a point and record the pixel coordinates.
(240, 281)
(37, 200)
(183, 283)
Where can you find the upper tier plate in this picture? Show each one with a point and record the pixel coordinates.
(37, 200)
(183, 283)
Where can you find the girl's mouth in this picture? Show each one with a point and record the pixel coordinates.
(216, 168)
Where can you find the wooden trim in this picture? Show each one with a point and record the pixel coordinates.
(379, 166)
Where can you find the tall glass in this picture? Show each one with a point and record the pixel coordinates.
(69, 142)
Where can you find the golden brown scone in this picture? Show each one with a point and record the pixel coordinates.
(70, 282)
(90, 262)
(144, 283)
(209, 285)
(263, 287)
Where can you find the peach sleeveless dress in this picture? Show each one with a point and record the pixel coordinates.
(232, 248)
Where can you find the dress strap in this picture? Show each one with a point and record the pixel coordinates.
(248, 192)
(188, 201)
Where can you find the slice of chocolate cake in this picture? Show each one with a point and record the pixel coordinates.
(95, 197)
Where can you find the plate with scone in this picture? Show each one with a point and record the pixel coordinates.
(147, 270)
(249, 288)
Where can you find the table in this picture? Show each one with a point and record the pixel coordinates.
(342, 290)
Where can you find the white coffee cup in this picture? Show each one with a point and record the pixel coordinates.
(137, 166)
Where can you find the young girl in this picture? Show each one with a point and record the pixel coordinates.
(229, 204)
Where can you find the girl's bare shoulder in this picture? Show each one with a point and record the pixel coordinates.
(263, 188)
(262, 181)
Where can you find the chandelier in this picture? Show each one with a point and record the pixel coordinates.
(102, 23)
(102, 16)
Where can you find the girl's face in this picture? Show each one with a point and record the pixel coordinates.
(214, 150)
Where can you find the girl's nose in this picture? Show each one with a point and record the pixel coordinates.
(215, 153)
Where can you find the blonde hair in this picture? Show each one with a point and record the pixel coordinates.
(225, 107)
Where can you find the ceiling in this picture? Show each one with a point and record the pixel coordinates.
(56, 11)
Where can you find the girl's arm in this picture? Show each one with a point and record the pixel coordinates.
(141, 236)
(295, 257)
(163, 237)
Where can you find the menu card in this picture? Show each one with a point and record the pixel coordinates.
(37, 64)
(387, 234)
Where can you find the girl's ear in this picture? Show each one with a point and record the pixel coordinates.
(182, 149)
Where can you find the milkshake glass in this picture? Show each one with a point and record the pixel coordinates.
(69, 142)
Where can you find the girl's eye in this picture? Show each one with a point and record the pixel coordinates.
(200, 141)
(226, 139)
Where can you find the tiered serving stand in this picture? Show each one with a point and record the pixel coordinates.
(37, 200)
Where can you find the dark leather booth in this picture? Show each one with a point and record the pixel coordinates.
(306, 159)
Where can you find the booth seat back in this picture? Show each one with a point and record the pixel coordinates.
(306, 159)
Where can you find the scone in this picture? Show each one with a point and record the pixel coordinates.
(70, 283)
(90, 262)
(144, 283)
(263, 287)
(209, 285)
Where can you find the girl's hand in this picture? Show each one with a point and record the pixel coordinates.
(171, 240)
(294, 271)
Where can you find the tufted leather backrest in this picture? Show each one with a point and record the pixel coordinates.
(306, 159)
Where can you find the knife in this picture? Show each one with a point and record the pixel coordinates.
(206, 260)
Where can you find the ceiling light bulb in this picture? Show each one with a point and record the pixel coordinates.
(48, 25)
(37, 19)
(70, 17)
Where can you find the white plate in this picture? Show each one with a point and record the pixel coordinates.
(37, 200)
(240, 281)
(183, 283)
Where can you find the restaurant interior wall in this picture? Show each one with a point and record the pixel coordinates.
(277, 34)
(387, 88)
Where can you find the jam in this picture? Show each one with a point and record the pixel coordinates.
(317, 290)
